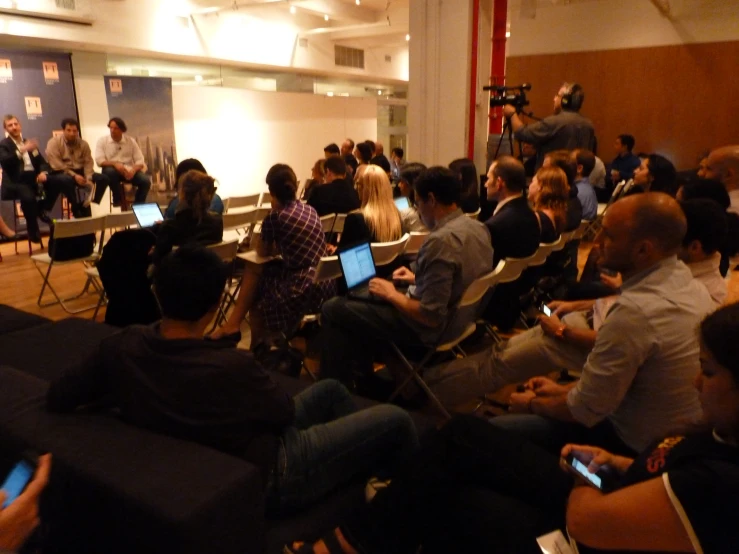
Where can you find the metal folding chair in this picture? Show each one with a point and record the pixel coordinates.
(234, 202)
(385, 253)
(67, 229)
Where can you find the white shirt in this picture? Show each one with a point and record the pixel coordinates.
(126, 152)
(27, 165)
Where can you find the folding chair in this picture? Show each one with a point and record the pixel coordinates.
(339, 223)
(226, 251)
(594, 226)
(385, 253)
(459, 326)
(415, 241)
(327, 222)
(67, 229)
(507, 271)
(241, 202)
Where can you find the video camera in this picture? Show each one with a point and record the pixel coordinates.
(515, 96)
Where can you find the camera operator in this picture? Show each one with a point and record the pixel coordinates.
(565, 130)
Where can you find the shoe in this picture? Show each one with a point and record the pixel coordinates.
(44, 216)
(35, 237)
(373, 486)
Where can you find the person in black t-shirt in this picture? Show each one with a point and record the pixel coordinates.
(482, 489)
(337, 194)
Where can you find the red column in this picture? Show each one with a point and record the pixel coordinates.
(497, 69)
(473, 79)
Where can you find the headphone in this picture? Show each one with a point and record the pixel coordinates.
(572, 99)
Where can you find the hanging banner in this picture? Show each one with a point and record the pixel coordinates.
(145, 104)
(37, 88)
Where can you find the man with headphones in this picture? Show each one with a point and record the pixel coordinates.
(565, 129)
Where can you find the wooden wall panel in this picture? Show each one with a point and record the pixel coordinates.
(676, 100)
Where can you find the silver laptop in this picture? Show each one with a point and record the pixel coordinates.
(147, 214)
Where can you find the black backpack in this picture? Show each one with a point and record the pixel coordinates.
(71, 248)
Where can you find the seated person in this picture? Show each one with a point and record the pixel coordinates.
(216, 205)
(167, 379)
(466, 172)
(409, 216)
(585, 161)
(363, 152)
(70, 159)
(193, 221)
(378, 219)
(21, 517)
(383, 163)
(336, 195)
(514, 232)
(635, 370)
(317, 177)
(626, 162)
(478, 489)
(548, 194)
(121, 160)
(455, 253)
(723, 165)
(277, 294)
(656, 174)
(563, 160)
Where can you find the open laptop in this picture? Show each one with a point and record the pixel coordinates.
(358, 267)
(147, 214)
(402, 203)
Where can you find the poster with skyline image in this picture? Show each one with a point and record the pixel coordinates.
(145, 105)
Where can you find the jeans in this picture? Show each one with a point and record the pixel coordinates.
(351, 330)
(140, 180)
(473, 488)
(552, 435)
(25, 191)
(332, 442)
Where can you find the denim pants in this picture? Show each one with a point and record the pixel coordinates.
(332, 442)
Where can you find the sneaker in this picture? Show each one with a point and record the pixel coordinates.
(373, 486)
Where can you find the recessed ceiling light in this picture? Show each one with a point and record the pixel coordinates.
(325, 17)
(198, 78)
(293, 10)
(329, 93)
(407, 37)
(358, 2)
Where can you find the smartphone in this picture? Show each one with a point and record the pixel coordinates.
(546, 310)
(599, 480)
(17, 480)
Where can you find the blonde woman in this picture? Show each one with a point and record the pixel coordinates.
(378, 219)
(548, 194)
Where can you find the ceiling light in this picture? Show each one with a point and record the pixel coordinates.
(198, 78)
(407, 38)
(325, 17)
(379, 93)
(507, 34)
(293, 10)
(358, 2)
(329, 93)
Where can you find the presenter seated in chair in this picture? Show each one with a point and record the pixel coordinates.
(122, 161)
(168, 379)
(70, 159)
(25, 176)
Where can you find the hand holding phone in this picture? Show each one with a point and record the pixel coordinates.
(20, 517)
(546, 310)
(579, 460)
(16, 481)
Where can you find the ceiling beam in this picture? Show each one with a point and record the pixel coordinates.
(336, 10)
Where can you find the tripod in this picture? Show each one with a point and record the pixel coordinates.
(508, 129)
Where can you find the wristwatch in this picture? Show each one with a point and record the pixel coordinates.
(560, 332)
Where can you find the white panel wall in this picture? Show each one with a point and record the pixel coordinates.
(239, 134)
(585, 25)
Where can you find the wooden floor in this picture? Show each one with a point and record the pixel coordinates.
(21, 282)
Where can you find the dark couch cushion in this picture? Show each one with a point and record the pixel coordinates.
(15, 320)
(46, 351)
(115, 488)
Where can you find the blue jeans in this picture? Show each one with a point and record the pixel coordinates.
(332, 442)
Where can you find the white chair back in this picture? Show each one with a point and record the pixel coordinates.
(65, 228)
(226, 250)
(415, 241)
(239, 220)
(328, 268)
(118, 220)
(386, 252)
(563, 239)
(542, 254)
(339, 223)
(327, 222)
(474, 215)
(243, 201)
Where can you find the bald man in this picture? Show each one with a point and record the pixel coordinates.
(723, 165)
(636, 381)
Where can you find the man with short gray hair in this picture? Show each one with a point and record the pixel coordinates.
(723, 165)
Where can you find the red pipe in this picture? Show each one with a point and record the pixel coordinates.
(473, 79)
(497, 67)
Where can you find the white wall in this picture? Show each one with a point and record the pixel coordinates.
(238, 134)
(586, 25)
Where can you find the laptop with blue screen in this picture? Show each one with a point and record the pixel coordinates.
(147, 214)
(358, 267)
(402, 203)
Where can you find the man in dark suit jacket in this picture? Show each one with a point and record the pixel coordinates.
(337, 195)
(25, 174)
(514, 231)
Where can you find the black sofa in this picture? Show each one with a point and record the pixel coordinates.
(116, 488)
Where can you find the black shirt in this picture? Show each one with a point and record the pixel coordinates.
(336, 197)
(186, 229)
(192, 389)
